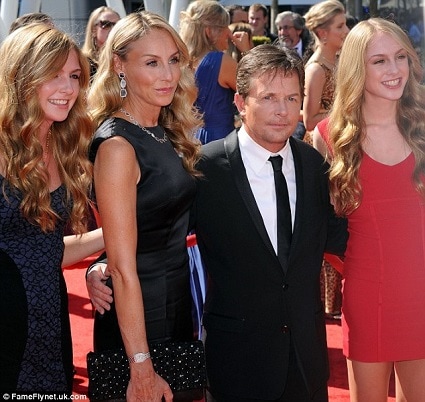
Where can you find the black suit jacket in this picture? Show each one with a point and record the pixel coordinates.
(254, 307)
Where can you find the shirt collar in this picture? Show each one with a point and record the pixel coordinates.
(257, 155)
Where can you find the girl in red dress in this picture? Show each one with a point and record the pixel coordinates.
(377, 133)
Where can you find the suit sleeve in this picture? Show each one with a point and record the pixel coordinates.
(336, 242)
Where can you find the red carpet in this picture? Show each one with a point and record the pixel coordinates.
(82, 325)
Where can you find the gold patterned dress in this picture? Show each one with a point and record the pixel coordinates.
(327, 96)
(330, 278)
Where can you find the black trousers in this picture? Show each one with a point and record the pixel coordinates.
(295, 388)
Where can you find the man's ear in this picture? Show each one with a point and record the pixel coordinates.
(239, 103)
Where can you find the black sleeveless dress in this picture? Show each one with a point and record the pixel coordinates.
(164, 197)
(35, 347)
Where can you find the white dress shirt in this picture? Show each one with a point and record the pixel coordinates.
(299, 48)
(261, 179)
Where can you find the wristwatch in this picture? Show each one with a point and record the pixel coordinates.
(139, 357)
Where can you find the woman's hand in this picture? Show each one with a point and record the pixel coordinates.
(241, 40)
(146, 385)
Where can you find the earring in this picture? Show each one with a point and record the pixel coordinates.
(325, 40)
(123, 84)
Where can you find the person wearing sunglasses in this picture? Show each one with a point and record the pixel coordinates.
(100, 23)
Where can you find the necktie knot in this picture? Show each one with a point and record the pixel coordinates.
(276, 162)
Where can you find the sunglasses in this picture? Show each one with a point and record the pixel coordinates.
(106, 24)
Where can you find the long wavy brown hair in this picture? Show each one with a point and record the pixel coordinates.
(346, 124)
(181, 118)
(29, 57)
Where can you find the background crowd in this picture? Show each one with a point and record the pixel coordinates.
(155, 133)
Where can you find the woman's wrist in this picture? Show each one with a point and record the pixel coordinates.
(139, 357)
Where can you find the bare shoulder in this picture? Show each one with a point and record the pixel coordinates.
(227, 75)
(227, 59)
(117, 157)
(116, 144)
(314, 69)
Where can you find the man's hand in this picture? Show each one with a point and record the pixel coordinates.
(100, 294)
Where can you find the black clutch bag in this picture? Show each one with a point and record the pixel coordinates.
(181, 364)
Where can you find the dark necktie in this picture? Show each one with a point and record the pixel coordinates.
(284, 223)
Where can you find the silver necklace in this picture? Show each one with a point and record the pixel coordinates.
(332, 64)
(136, 123)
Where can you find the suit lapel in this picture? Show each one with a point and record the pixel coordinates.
(233, 154)
(299, 179)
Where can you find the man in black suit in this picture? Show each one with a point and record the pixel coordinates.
(264, 319)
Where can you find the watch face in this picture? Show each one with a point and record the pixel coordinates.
(139, 357)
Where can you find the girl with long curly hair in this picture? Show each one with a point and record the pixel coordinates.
(45, 180)
(377, 133)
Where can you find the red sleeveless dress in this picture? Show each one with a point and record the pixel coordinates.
(384, 270)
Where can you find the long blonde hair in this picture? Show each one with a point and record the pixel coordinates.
(194, 21)
(181, 118)
(320, 16)
(346, 125)
(29, 57)
(90, 47)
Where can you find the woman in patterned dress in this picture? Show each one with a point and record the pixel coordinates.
(45, 178)
(327, 22)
